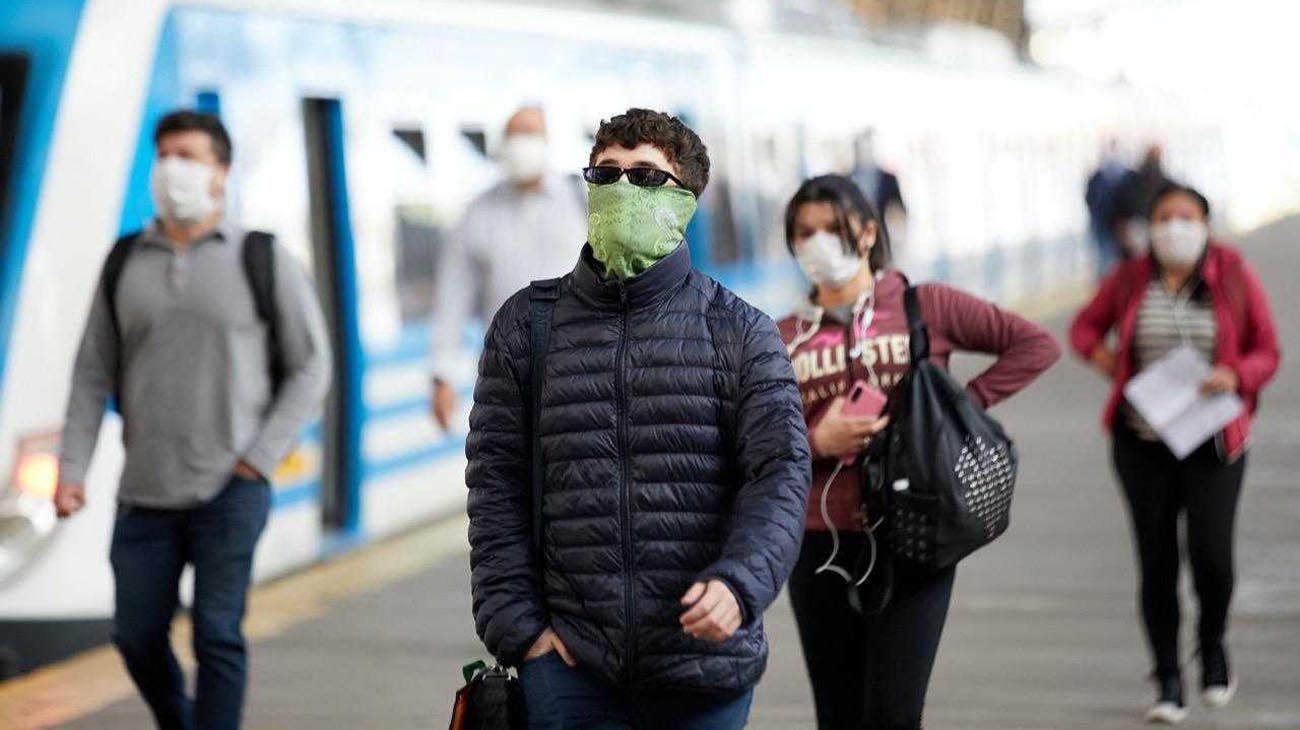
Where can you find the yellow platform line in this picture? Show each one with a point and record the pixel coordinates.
(94, 679)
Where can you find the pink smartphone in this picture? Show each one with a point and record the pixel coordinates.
(864, 401)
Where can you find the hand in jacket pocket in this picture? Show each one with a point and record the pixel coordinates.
(550, 641)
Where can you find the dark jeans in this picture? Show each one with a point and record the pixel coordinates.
(867, 671)
(560, 697)
(150, 548)
(1159, 488)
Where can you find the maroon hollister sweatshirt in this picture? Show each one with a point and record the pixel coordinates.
(825, 366)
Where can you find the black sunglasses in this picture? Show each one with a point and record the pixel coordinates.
(642, 177)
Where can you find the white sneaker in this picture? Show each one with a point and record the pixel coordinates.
(1218, 681)
(1168, 708)
(1166, 713)
(1217, 696)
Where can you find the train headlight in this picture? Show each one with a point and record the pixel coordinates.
(27, 518)
(37, 474)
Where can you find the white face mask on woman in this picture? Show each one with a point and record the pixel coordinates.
(182, 190)
(824, 260)
(1180, 241)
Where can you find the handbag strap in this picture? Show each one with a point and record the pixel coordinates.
(542, 296)
(918, 334)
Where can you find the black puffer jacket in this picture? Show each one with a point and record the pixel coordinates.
(675, 452)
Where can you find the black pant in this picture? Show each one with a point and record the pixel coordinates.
(1160, 488)
(867, 671)
(150, 548)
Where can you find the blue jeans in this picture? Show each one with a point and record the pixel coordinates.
(1108, 253)
(150, 548)
(560, 697)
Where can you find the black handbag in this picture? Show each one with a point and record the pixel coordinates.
(946, 470)
(490, 700)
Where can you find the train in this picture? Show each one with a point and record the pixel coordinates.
(361, 131)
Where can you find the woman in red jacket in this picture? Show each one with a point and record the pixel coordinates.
(872, 669)
(1188, 290)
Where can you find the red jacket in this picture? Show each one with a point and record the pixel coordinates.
(1246, 339)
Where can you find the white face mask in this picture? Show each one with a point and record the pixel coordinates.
(1179, 241)
(523, 157)
(824, 260)
(182, 190)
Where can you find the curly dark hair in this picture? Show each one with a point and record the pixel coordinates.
(680, 144)
(187, 120)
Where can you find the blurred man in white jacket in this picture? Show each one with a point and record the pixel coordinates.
(529, 226)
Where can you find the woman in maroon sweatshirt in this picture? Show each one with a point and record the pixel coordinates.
(868, 669)
(1188, 291)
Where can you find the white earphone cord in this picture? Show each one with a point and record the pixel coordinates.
(835, 538)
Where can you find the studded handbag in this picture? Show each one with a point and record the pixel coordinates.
(946, 469)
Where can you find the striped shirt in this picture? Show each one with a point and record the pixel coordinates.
(1166, 321)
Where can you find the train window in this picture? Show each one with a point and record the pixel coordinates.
(417, 242)
(13, 85)
(725, 243)
(476, 137)
(416, 231)
(413, 138)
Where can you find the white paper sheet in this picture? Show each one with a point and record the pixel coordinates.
(1168, 395)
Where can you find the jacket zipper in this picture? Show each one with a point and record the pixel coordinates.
(625, 495)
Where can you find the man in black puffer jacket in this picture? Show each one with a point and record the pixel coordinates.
(675, 465)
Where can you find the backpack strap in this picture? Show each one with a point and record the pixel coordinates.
(542, 296)
(259, 269)
(918, 334)
(112, 274)
(110, 277)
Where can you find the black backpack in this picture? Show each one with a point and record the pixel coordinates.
(946, 469)
(259, 268)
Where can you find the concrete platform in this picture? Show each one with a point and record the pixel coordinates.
(1043, 632)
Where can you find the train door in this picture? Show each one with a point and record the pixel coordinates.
(335, 272)
(13, 83)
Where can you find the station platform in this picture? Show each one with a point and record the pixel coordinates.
(1043, 632)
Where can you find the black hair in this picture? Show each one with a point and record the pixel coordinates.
(846, 197)
(680, 144)
(186, 120)
(1176, 188)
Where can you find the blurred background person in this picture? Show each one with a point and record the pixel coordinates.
(528, 226)
(867, 668)
(1188, 291)
(878, 184)
(1128, 219)
(1100, 195)
(212, 400)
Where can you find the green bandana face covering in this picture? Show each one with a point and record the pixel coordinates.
(630, 228)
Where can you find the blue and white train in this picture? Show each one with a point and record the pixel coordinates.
(362, 129)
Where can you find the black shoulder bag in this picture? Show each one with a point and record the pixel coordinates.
(492, 698)
(948, 469)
